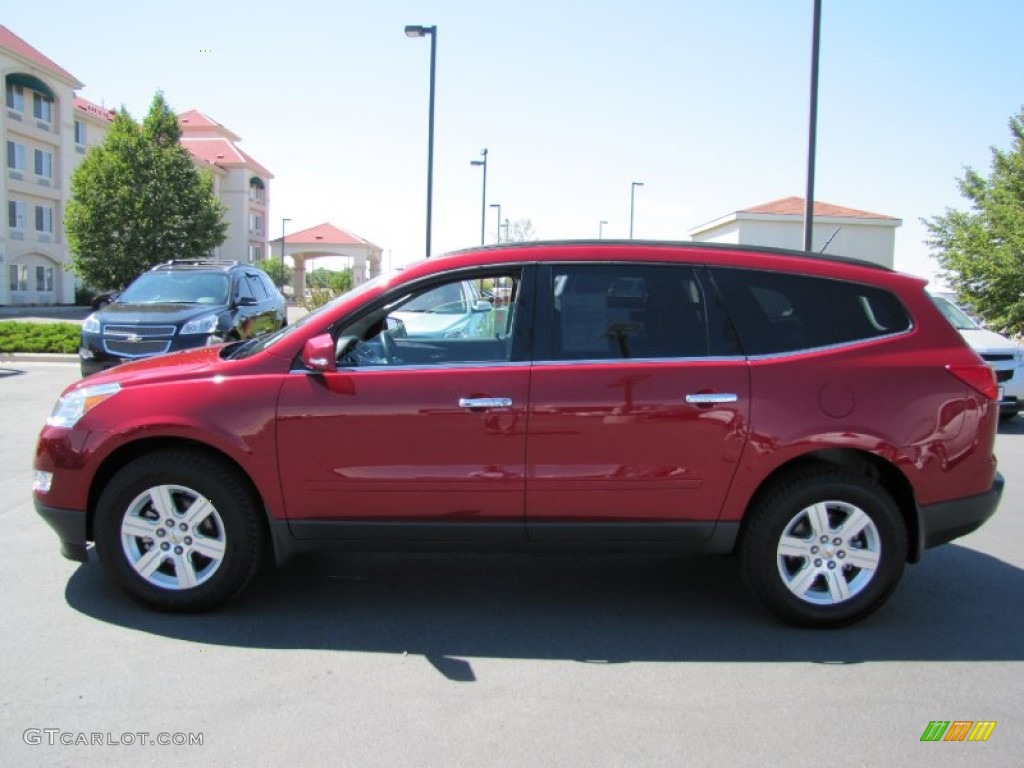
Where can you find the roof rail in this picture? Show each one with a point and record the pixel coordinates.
(196, 262)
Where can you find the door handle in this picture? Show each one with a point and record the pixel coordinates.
(485, 402)
(712, 398)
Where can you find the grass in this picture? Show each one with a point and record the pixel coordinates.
(17, 336)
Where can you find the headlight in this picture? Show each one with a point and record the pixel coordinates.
(75, 404)
(91, 324)
(206, 324)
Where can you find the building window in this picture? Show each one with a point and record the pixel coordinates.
(42, 107)
(44, 163)
(19, 277)
(256, 223)
(44, 219)
(15, 156)
(44, 279)
(79, 133)
(255, 253)
(16, 215)
(256, 189)
(15, 97)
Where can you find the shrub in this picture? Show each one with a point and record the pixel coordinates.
(16, 336)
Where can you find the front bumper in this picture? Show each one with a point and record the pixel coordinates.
(948, 520)
(70, 527)
(91, 365)
(1010, 406)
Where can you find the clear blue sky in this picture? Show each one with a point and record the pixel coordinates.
(704, 102)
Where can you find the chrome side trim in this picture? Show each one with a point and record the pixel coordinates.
(355, 370)
(633, 360)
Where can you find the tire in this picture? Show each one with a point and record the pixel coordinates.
(212, 547)
(823, 548)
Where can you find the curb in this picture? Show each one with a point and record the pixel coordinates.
(36, 357)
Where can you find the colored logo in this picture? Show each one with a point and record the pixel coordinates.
(958, 730)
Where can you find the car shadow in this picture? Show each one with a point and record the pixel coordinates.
(956, 605)
(1013, 426)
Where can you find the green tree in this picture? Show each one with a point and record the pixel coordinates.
(336, 281)
(981, 250)
(137, 200)
(280, 273)
(323, 286)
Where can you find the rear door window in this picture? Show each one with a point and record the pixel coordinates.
(617, 311)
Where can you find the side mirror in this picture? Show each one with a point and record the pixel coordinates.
(396, 328)
(318, 354)
(482, 306)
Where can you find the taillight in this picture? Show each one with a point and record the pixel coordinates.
(979, 377)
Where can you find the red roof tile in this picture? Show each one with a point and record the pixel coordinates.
(327, 234)
(223, 153)
(794, 206)
(194, 121)
(16, 45)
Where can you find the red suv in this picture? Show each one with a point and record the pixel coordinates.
(816, 417)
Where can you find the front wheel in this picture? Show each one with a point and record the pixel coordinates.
(179, 530)
(824, 548)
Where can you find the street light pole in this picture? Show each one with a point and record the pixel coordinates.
(483, 203)
(812, 131)
(498, 230)
(600, 229)
(423, 31)
(632, 202)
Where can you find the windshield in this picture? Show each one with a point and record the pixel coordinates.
(177, 288)
(954, 314)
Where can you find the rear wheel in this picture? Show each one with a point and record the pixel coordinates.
(179, 530)
(824, 548)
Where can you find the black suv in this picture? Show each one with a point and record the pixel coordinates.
(178, 305)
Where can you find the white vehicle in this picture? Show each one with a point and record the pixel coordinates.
(1005, 356)
(451, 311)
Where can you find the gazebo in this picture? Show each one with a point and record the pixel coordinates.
(328, 241)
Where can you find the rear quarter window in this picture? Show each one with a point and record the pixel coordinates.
(775, 312)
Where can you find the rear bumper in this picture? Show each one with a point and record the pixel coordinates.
(70, 527)
(948, 520)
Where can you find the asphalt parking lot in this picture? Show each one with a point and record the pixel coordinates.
(369, 660)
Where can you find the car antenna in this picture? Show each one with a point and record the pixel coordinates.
(833, 237)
